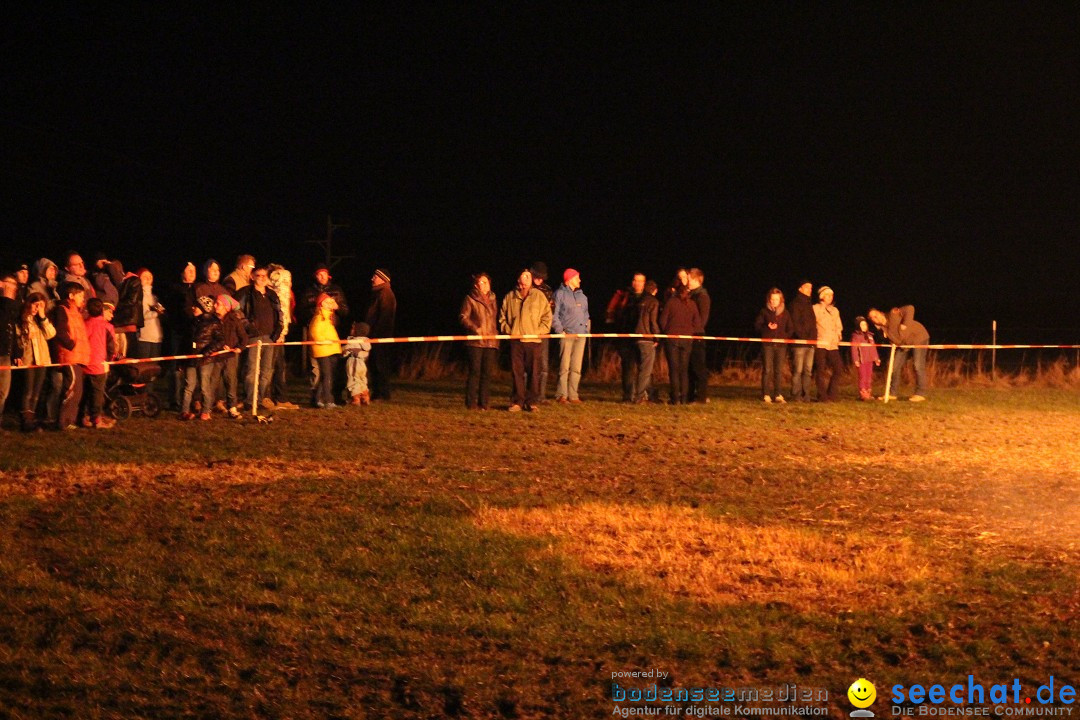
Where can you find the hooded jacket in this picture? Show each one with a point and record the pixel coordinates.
(208, 337)
(206, 288)
(913, 332)
(38, 282)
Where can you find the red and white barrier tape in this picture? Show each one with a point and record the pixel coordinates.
(634, 336)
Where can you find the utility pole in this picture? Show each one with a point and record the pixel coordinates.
(328, 244)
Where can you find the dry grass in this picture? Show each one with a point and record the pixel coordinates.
(741, 366)
(411, 559)
(688, 553)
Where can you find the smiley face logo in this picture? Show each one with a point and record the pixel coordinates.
(862, 693)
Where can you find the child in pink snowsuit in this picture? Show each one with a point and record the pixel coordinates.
(865, 356)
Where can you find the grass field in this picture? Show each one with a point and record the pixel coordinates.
(415, 560)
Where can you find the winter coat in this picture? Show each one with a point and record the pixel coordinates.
(478, 317)
(38, 283)
(622, 310)
(305, 309)
(102, 339)
(381, 312)
(648, 313)
(34, 336)
(571, 311)
(211, 290)
(180, 309)
(700, 298)
(234, 329)
(913, 331)
(528, 315)
(863, 347)
(9, 320)
(208, 337)
(781, 317)
(803, 320)
(246, 298)
(81, 281)
(71, 342)
(830, 328)
(106, 281)
(282, 287)
(129, 311)
(680, 317)
(322, 329)
(236, 281)
(357, 347)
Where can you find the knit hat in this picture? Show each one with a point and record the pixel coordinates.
(569, 273)
(539, 270)
(860, 320)
(206, 303)
(822, 290)
(383, 274)
(228, 301)
(321, 266)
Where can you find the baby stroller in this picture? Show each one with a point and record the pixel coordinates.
(129, 390)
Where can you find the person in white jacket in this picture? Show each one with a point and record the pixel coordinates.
(827, 358)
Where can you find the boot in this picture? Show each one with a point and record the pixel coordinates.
(29, 422)
(365, 397)
(355, 400)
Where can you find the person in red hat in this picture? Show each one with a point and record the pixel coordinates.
(571, 316)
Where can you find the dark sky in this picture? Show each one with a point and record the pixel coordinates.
(914, 154)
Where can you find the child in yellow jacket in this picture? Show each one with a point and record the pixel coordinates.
(327, 349)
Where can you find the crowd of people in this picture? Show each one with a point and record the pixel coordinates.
(534, 308)
(79, 319)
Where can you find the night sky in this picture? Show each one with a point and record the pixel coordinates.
(917, 154)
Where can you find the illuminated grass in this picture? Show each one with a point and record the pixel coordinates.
(416, 560)
(688, 554)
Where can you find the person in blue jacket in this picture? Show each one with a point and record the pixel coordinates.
(571, 316)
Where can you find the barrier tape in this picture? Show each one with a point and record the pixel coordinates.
(634, 336)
